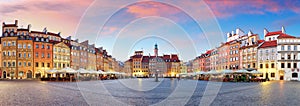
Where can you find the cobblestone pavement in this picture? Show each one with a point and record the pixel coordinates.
(143, 92)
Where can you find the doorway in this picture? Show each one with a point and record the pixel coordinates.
(29, 74)
(281, 77)
(4, 74)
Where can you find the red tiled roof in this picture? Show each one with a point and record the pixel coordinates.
(269, 44)
(145, 59)
(274, 33)
(260, 41)
(10, 25)
(285, 36)
(50, 33)
(22, 29)
(37, 32)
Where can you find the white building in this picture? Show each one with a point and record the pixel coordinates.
(288, 57)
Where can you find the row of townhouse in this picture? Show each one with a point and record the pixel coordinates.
(29, 54)
(140, 65)
(277, 56)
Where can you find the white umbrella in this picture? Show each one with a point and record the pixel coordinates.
(213, 72)
(255, 72)
(227, 71)
(68, 70)
(52, 71)
(242, 71)
(81, 70)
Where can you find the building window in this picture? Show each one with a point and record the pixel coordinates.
(20, 63)
(13, 43)
(261, 65)
(272, 65)
(24, 55)
(19, 45)
(289, 65)
(24, 64)
(48, 47)
(29, 64)
(295, 65)
(43, 65)
(282, 48)
(13, 64)
(29, 46)
(36, 45)
(4, 43)
(36, 54)
(267, 65)
(295, 47)
(20, 55)
(48, 65)
(282, 65)
(4, 64)
(43, 46)
(8, 43)
(36, 64)
(43, 55)
(48, 55)
(273, 75)
(289, 57)
(253, 65)
(29, 55)
(24, 46)
(289, 48)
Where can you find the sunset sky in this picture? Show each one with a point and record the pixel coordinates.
(124, 26)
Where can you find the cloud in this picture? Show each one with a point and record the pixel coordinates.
(142, 9)
(56, 15)
(228, 8)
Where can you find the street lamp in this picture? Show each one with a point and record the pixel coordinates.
(156, 75)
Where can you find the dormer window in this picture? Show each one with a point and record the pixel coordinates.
(5, 34)
(11, 34)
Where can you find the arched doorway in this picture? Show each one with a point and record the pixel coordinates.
(4, 74)
(21, 73)
(29, 74)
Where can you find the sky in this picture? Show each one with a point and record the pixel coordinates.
(187, 28)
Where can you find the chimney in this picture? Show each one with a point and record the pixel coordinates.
(28, 27)
(250, 33)
(237, 31)
(282, 29)
(16, 22)
(228, 35)
(232, 32)
(3, 23)
(265, 32)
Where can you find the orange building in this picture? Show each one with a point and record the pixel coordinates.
(42, 54)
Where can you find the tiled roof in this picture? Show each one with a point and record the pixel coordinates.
(22, 29)
(145, 59)
(54, 34)
(285, 36)
(37, 32)
(269, 44)
(10, 25)
(274, 33)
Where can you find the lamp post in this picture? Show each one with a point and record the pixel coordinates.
(156, 75)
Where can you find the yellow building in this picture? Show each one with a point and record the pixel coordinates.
(61, 55)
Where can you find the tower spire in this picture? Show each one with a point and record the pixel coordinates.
(155, 50)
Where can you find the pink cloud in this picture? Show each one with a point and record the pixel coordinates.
(56, 15)
(143, 9)
(227, 8)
